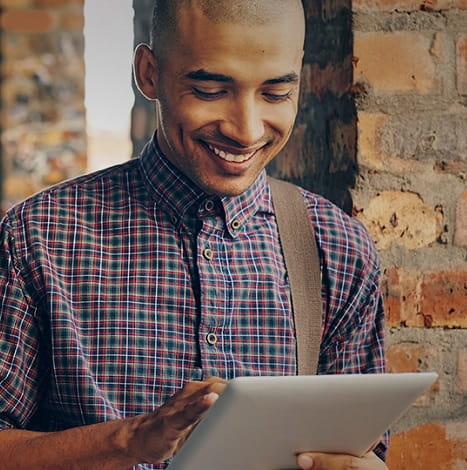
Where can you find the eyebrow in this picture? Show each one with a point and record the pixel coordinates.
(291, 77)
(205, 76)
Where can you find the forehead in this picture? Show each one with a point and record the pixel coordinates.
(236, 48)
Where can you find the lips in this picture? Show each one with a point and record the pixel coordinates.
(231, 157)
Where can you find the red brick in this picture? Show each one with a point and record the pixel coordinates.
(438, 5)
(392, 299)
(370, 127)
(6, 4)
(336, 79)
(57, 3)
(343, 137)
(325, 10)
(396, 62)
(407, 5)
(431, 299)
(385, 5)
(28, 21)
(443, 299)
(409, 357)
(290, 166)
(391, 290)
(460, 235)
(72, 21)
(455, 167)
(461, 52)
(401, 293)
(462, 370)
(433, 446)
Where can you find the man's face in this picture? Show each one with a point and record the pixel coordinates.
(228, 98)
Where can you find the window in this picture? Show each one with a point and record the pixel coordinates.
(108, 35)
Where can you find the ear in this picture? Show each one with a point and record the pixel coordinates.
(145, 71)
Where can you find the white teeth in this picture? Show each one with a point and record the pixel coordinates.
(230, 157)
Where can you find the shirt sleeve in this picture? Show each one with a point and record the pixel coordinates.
(361, 350)
(353, 320)
(357, 346)
(20, 370)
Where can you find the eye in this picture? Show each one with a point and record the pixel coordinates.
(277, 97)
(208, 95)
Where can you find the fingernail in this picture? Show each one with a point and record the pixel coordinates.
(211, 397)
(305, 462)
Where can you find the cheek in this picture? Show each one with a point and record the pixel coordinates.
(192, 114)
(283, 124)
(281, 117)
(206, 118)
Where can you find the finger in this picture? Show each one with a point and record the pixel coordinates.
(210, 399)
(193, 391)
(213, 379)
(320, 461)
(217, 388)
(193, 411)
(216, 384)
(211, 383)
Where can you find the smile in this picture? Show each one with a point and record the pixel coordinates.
(231, 157)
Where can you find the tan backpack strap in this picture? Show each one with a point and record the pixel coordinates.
(303, 269)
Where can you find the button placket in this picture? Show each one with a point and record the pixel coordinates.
(209, 268)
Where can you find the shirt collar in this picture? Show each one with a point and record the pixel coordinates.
(179, 196)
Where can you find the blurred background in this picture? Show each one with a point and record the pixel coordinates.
(382, 132)
(108, 52)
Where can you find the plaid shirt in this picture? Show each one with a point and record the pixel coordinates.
(120, 286)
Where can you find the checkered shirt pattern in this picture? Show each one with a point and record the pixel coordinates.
(118, 287)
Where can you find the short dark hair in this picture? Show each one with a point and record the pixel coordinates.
(250, 12)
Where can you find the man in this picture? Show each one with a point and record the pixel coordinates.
(124, 291)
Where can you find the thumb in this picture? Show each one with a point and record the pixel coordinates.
(320, 461)
(305, 461)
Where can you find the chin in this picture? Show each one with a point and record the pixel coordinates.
(227, 188)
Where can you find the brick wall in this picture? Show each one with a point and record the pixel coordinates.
(42, 92)
(321, 154)
(410, 87)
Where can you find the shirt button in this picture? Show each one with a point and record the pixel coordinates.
(211, 338)
(236, 224)
(208, 254)
(209, 205)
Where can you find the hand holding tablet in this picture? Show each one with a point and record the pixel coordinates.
(262, 423)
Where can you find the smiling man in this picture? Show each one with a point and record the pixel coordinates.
(131, 295)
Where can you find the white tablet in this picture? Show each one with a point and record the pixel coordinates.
(262, 423)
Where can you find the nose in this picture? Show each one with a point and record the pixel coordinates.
(244, 123)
